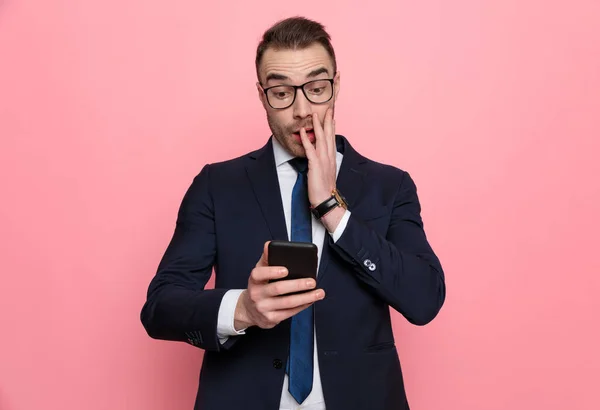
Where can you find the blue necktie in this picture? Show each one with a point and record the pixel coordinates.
(300, 362)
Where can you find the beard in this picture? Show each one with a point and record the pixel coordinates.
(284, 133)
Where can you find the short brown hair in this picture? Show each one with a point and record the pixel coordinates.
(294, 33)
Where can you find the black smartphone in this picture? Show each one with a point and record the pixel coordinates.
(300, 258)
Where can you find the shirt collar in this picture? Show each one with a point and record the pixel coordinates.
(280, 153)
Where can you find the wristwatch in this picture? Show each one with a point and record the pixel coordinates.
(329, 204)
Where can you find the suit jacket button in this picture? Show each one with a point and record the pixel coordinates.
(277, 364)
(367, 262)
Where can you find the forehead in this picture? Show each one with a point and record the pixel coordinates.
(295, 64)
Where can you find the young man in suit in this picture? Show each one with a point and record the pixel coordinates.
(331, 346)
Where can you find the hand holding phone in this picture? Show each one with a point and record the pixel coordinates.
(299, 258)
(268, 300)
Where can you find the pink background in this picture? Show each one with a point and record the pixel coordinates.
(109, 108)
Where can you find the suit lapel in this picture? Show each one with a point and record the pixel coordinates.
(349, 182)
(263, 178)
(262, 174)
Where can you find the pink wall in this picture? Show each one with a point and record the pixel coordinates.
(109, 108)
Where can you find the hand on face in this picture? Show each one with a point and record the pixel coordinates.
(321, 158)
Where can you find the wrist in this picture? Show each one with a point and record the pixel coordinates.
(241, 319)
(332, 219)
(334, 201)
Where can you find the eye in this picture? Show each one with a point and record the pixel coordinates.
(281, 94)
(318, 87)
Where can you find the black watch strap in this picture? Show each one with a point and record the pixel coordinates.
(324, 207)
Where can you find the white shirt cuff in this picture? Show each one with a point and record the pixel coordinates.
(226, 318)
(341, 227)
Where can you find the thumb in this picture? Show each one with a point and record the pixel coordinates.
(264, 259)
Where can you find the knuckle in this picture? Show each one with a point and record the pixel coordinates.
(253, 293)
(271, 318)
(261, 307)
(262, 324)
(268, 325)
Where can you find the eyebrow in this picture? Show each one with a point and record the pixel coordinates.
(318, 71)
(275, 76)
(281, 77)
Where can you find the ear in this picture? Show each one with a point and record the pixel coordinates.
(261, 95)
(336, 85)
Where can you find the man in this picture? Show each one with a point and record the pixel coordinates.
(364, 218)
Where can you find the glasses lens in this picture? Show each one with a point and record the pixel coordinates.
(318, 91)
(281, 96)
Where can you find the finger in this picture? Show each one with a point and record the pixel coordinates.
(334, 143)
(310, 151)
(288, 286)
(321, 144)
(284, 314)
(293, 301)
(263, 274)
(264, 259)
(329, 132)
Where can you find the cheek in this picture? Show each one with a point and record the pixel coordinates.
(322, 110)
(279, 119)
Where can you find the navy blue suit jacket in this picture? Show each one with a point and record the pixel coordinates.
(382, 259)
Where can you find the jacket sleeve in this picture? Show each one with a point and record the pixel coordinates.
(401, 268)
(178, 307)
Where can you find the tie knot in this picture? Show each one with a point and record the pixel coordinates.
(300, 164)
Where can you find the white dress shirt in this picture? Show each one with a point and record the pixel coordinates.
(287, 178)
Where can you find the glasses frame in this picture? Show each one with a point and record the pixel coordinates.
(295, 87)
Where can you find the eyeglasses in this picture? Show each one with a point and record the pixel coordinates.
(280, 97)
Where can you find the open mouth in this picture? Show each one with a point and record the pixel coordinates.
(309, 133)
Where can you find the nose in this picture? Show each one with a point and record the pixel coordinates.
(302, 107)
